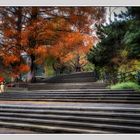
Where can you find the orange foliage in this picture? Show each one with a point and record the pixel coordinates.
(72, 44)
(40, 53)
(24, 39)
(9, 32)
(42, 31)
(40, 50)
(23, 68)
(8, 59)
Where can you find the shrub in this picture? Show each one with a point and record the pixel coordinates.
(126, 85)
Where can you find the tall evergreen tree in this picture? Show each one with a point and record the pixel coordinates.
(119, 44)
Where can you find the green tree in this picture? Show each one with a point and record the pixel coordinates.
(119, 44)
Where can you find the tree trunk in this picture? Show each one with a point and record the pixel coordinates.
(34, 16)
(33, 69)
(19, 29)
(78, 66)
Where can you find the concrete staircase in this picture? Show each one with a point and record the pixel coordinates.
(75, 95)
(72, 107)
(71, 78)
(63, 119)
(72, 81)
(76, 85)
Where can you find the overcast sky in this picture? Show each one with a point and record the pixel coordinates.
(117, 10)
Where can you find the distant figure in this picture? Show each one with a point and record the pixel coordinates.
(2, 87)
(96, 75)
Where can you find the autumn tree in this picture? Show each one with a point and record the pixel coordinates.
(12, 21)
(78, 37)
(41, 32)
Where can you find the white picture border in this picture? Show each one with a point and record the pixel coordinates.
(70, 2)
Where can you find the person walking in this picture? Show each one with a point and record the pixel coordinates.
(2, 87)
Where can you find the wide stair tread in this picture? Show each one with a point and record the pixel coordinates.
(75, 118)
(50, 129)
(102, 119)
(71, 124)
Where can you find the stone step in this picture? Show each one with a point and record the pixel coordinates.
(49, 128)
(88, 115)
(75, 118)
(71, 124)
(110, 98)
(20, 85)
(62, 87)
(79, 77)
(123, 108)
(43, 86)
(68, 96)
(98, 90)
(72, 95)
(73, 75)
(75, 100)
(17, 89)
(69, 80)
(73, 91)
(70, 84)
(9, 130)
(76, 83)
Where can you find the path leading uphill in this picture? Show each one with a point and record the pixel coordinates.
(74, 103)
